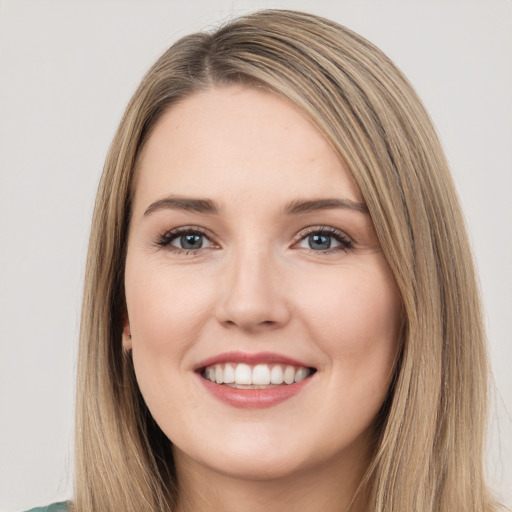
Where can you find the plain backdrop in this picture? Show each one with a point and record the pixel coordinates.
(67, 70)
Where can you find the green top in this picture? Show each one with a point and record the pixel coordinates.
(55, 507)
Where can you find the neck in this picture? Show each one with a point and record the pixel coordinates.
(323, 488)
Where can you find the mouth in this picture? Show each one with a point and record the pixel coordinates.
(251, 381)
(255, 376)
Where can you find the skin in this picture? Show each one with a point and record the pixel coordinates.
(257, 286)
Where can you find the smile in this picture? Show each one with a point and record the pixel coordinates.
(260, 376)
(252, 381)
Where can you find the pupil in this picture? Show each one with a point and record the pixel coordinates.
(191, 241)
(319, 242)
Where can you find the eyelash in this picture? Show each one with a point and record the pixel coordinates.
(165, 240)
(345, 243)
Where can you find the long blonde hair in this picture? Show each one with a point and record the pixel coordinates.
(429, 434)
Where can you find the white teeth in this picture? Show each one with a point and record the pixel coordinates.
(229, 374)
(219, 374)
(276, 374)
(289, 375)
(243, 374)
(260, 375)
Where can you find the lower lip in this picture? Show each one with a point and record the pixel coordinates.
(254, 398)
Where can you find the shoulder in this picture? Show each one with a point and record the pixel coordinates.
(54, 507)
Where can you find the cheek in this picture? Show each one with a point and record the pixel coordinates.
(166, 309)
(167, 313)
(355, 319)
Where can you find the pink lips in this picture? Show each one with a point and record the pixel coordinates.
(251, 398)
(242, 357)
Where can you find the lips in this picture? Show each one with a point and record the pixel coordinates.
(253, 380)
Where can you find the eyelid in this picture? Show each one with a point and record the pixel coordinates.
(319, 228)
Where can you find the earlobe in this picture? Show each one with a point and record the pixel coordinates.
(127, 336)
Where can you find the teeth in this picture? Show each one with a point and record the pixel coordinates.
(260, 375)
(219, 375)
(289, 375)
(301, 374)
(243, 374)
(229, 374)
(276, 375)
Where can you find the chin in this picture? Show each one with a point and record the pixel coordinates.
(260, 466)
(245, 455)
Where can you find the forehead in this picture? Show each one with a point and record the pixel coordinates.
(241, 140)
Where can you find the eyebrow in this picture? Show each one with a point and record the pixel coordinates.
(184, 203)
(297, 206)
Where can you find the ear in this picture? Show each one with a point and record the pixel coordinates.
(127, 335)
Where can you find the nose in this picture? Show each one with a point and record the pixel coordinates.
(252, 294)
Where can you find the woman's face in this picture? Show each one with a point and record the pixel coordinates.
(252, 261)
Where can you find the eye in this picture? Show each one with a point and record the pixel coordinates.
(185, 240)
(324, 240)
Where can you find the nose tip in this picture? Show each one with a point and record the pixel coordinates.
(253, 298)
(251, 317)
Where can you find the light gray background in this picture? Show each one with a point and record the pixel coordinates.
(67, 70)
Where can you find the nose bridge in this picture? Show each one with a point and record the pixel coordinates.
(252, 293)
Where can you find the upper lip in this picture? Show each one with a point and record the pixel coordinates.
(251, 359)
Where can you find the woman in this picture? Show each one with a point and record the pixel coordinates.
(280, 308)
